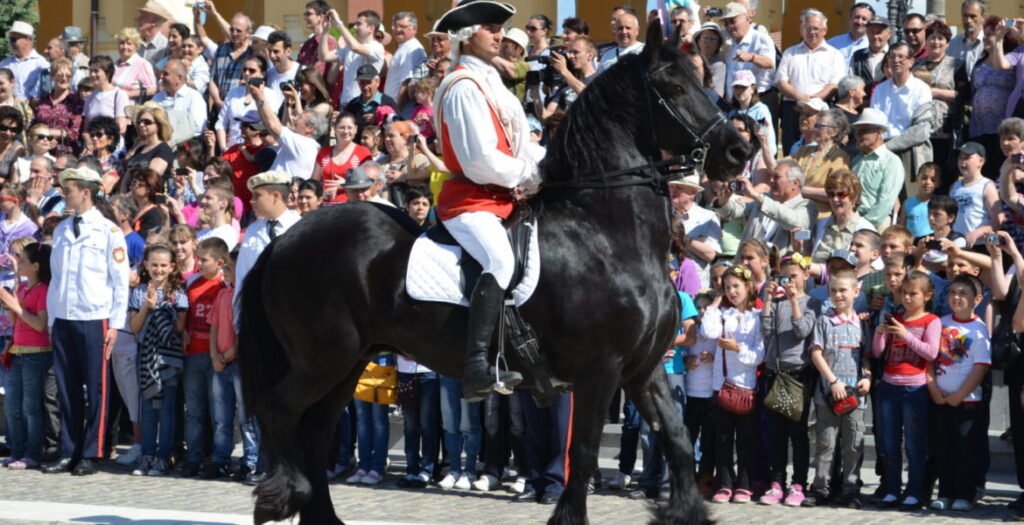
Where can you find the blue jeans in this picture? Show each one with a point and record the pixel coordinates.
(903, 414)
(654, 457)
(26, 383)
(197, 381)
(227, 395)
(346, 436)
(373, 433)
(630, 437)
(462, 428)
(421, 422)
(158, 421)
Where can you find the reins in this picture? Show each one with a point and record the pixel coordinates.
(655, 173)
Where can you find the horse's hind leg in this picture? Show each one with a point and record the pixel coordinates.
(314, 431)
(286, 490)
(653, 399)
(589, 404)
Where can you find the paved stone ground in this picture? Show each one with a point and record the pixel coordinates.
(113, 487)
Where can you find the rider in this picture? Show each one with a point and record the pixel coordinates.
(484, 135)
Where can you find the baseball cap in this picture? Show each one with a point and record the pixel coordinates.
(972, 148)
(366, 72)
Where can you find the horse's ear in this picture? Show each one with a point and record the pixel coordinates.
(655, 38)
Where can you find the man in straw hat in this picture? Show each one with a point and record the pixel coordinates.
(880, 171)
(488, 160)
(25, 63)
(86, 308)
(152, 23)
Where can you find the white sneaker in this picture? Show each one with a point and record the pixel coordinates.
(131, 457)
(962, 505)
(940, 504)
(486, 483)
(357, 477)
(620, 482)
(519, 486)
(448, 482)
(465, 481)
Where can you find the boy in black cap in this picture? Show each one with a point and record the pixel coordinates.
(976, 196)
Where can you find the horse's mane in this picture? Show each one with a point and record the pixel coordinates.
(594, 130)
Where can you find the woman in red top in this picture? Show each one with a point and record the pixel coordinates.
(333, 162)
(247, 159)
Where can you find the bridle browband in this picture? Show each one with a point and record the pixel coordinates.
(656, 173)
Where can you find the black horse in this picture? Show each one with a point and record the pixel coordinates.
(331, 293)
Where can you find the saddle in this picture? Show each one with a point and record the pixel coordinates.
(513, 330)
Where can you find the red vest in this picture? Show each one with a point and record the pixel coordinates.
(459, 194)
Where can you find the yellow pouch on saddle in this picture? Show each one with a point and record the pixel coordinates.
(378, 384)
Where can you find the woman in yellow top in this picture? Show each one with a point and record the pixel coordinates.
(824, 157)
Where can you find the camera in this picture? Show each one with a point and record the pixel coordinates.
(994, 239)
(889, 320)
(159, 198)
(735, 186)
(1009, 22)
(1017, 158)
(784, 280)
(714, 12)
(933, 245)
(287, 84)
(533, 78)
(181, 171)
(548, 74)
(256, 82)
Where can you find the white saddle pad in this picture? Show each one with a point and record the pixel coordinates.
(434, 273)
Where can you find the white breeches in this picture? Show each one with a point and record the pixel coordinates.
(482, 235)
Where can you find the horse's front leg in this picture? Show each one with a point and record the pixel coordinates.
(592, 392)
(655, 399)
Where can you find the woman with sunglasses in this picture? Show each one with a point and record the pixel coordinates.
(40, 143)
(61, 109)
(7, 97)
(101, 137)
(11, 148)
(843, 189)
(152, 149)
(824, 156)
(146, 188)
(238, 104)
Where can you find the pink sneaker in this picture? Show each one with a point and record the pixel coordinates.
(773, 496)
(722, 496)
(742, 496)
(795, 496)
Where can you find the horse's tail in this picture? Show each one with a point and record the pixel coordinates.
(262, 363)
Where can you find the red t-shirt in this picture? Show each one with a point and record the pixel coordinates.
(243, 170)
(33, 301)
(201, 294)
(333, 171)
(223, 319)
(902, 360)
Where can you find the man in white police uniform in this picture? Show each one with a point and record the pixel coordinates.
(484, 135)
(86, 306)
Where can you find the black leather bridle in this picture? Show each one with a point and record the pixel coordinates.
(657, 173)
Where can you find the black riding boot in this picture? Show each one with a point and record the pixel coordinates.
(485, 304)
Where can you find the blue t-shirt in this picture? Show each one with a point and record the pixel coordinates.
(916, 213)
(675, 358)
(136, 248)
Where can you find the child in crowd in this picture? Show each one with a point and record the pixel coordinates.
(182, 239)
(31, 357)
(837, 352)
(187, 183)
(373, 432)
(865, 246)
(745, 101)
(216, 207)
(954, 383)
(371, 138)
(700, 361)
(942, 214)
(226, 387)
(786, 322)
(753, 254)
(422, 91)
(976, 196)
(202, 289)
(914, 212)
(906, 342)
(157, 308)
(739, 350)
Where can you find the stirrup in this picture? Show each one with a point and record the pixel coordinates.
(500, 386)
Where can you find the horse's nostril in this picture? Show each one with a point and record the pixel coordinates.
(739, 152)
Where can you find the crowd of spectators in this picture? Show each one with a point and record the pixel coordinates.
(870, 250)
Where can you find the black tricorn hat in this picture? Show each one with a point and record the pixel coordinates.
(472, 12)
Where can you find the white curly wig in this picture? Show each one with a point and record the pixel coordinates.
(457, 38)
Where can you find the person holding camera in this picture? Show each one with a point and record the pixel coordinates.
(576, 67)
(770, 217)
(239, 102)
(298, 140)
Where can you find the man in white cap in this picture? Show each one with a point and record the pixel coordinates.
(353, 50)
(26, 64)
(409, 55)
(703, 228)
(86, 306)
(488, 160)
(880, 171)
(152, 23)
(752, 51)
(512, 65)
(810, 69)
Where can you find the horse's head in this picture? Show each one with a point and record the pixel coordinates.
(685, 121)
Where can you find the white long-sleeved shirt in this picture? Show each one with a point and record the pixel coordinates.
(257, 238)
(471, 132)
(699, 380)
(745, 328)
(188, 101)
(90, 272)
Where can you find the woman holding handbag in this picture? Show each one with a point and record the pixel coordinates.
(740, 349)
